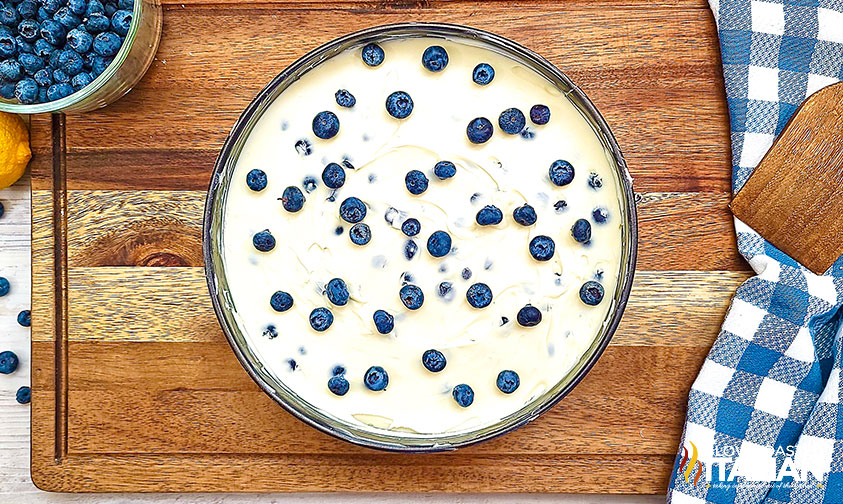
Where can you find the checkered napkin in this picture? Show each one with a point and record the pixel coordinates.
(765, 415)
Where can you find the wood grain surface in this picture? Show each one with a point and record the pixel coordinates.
(135, 388)
(794, 197)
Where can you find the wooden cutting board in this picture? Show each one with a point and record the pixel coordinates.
(135, 387)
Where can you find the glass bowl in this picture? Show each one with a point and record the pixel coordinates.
(224, 305)
(129, 65)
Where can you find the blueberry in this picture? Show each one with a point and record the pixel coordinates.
(600, 215)
(416, 182)
(489, 215)
(26, 90)
(79, 40)
(25, 318)
(439, 244)
(529, 316)
(560, 206)
(263, 241)
(352, 210)
(60, 75)
(4, 286)
(360, 233)
(42, 14)
(581, 231)
(479, 295)
(109, 9)
(595, 181)
(292, 199)
(321, 319)
(9, 16)
(337, 292)
(281, 301)
(7, 90)
(10, 70)
(51, 6)
(8, 362)
(23, 395)
(542, 248)
(99, 64)
(8, 46)
(372, 55)
(384, 322)
(411, 227)
(126, 4)
(97, 23)
(106, 44)
(333, 176)
(70, 61)
(338, 385)
(256, 180)
(466, 273)
(591, 293)
(270, 332)
(338, 231)
(338, 370)
(121, 21)
(435, 58)
(24, 46)
(92, 7)
(411, 296)
(508, 381)
(77, 7)
(434, 360)
(444, 170)
(512, 121)
(479, 130)
(29, 30)
(483, 74)
(376, 378)
(30, 63)
(399, 105)
(445, 289)
(463, 395)
(43, 48)
(539, 114)
(58, 91)
(525, 215)
(410, 249)
(67, 19)
(27, 9)
(326, 125)
(561, 172)
(345, 99)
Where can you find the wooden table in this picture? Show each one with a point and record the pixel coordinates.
(135, 388)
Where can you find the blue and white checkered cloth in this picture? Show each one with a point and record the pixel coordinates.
(765, 415)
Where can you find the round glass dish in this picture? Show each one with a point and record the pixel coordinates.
(128, 67)
(226, 308)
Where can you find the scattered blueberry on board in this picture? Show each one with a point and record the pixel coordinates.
(337, 292)
(345, 99)
(23, 395)
(466, 273)
(412, 296)
(4, 286)
(55, 49)
(439, 244)
(444, 170)
(321, 319)
(483, 74)
(463, 395)
(525, 215)
(512, 121)
(508, 381)
(376, 378)
(292, 199)
(325, 125)
(595, 181)
(399, 105)
(600, 215)
(581, 231)
(360, 234)
(561, 172)
(372, 55)
(435, 58)
(263, 241)
(489, 215)
(416, 182)
(256, 180)
(542, 248)
(591, 293)
(540, 114)
(333, 176)
(529, 316)
(25, 318)
(8, 362)
(338, 385)
(434, 360)
(411, 227)
(479, 130)
(479, 295)
(384, 322)
(352, 210)
(281, 301)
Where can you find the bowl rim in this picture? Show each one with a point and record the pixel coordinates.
(427, 444)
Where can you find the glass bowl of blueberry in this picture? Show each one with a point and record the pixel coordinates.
(74, 55)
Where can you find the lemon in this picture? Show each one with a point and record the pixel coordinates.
(14, 148)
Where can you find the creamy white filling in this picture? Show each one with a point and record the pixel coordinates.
(507, 172)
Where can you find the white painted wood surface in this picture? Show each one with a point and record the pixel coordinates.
(15, 483)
